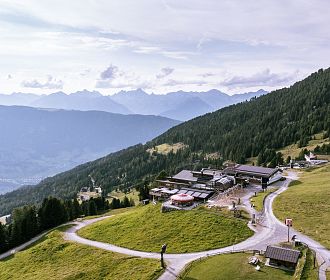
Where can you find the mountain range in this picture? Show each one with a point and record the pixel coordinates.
(36, 143)
(257, 128)
(175, 105)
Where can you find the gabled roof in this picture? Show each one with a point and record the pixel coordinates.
(185, 175)
(252, 170)
(282, 254)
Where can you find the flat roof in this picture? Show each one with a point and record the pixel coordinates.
(282, 254)
(207, 171)
(198, 190)
(203, 195)
(196, 194)
(164, 190)
(182, 191)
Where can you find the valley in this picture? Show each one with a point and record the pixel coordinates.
(46, 142)
(235, 133)
(164, 140)
(220, 218)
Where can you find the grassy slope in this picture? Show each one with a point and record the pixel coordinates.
(146, 229)
(309, 272)
(54, 258)
(233, 266)
(293, 150)
(167, 148)
(308, 203)
(134, 194)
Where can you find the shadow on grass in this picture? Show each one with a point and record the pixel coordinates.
(295, 183)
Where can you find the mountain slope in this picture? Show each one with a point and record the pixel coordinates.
(176, 105)
(179, 105)
(80, 100)
(41, 142)
(188, 109)
(250, 128)
(17, 98)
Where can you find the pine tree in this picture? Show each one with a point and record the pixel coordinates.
(76, 209)
(52, 213)
(92, 209)
(125, 203)
(3, 238)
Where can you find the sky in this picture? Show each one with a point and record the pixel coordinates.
(160, 45)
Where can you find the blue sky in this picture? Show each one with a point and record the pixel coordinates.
(160, 46)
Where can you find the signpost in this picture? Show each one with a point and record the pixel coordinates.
(162, 252)
(288, 223)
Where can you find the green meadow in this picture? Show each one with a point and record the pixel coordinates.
(232, 266)
(53, 258)
(145, 228)
(307, 202)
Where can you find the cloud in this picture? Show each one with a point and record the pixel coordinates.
(108, 76)
(173, 82)
(85, 73)
(146, 50)
(165, 72)
(113, 77)
(264, 78)
(181, 55)
(206, 75)
(109, 73)
(201, 42)
(50, 83)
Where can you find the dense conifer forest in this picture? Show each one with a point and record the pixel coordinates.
(256, 128)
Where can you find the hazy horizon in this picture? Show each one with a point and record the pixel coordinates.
(116, 92)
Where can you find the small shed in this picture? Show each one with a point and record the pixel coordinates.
(279, 256)
(145, 201)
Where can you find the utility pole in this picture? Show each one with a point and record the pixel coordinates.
(162, 252)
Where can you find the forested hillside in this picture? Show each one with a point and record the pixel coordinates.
(254, 128)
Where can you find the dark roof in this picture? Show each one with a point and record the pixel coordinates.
(252, 170)
(185, 175)
(208, 172)
(282, 254)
